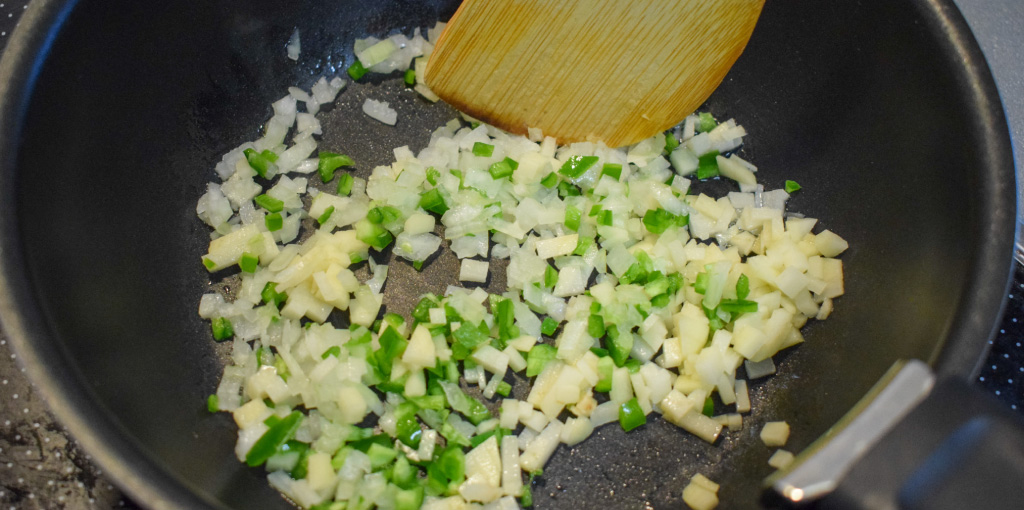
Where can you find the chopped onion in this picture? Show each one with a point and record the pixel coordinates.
(606, 255)
(294, 47)
(379, 110)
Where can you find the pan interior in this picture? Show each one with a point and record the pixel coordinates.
(897, 144)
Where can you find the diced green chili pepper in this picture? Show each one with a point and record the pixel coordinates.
(613, 170)
(605, 367)
(269, 203)
(274, 222)
(567, 189)
(222, 329)
(356, 70)
(301, 468)
(433, 201)
(503, 389)
(700, 285)
(735, 306)
(410, 498)
(659, 220)
(270, 294)
(326, 215)
(469, 335)
(595, 326)
(742, 287)
(707, 165)
(248, 262)
(576, 166)
(538, 358)
(422, 310)
(550, 277)
(433, 175)
(392, 345)
(380, 456)
(705, 122)
(483, 150)
(452, 463)
(619, 344)
(548, 326)
(550, 180)
(273, 438)
(345, 183)
(503, 168)
(572, 218)
(372, 234)
(331, 161)
(630, 415)
(261, 162)
(582, 245)
(505, 317)
(671, 142)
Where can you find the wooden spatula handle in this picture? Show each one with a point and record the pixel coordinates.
(615, 70)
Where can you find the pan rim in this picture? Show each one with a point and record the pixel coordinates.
(127, 462)
(145, 479)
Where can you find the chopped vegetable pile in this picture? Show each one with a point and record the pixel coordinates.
(627, 295)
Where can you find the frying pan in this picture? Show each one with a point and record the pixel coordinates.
(113, 114)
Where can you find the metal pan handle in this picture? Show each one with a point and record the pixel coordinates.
(912, 444)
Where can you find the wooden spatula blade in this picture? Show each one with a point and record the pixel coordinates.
(586, 70)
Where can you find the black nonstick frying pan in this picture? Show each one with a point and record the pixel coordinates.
(113, 114)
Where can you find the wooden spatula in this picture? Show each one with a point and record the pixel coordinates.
(585, 70)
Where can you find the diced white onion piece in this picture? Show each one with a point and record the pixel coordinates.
(227, 250)
(379, 110)
(420, 351)
(473, 271)
(572, 281)
(742, 396)
(516, 361)
(492, 359)
(757, 370)
(699, 497)
(377, 53)
(509, 413)
(251, 413)
(775, 433)
(483, 463)
(576, 430)
(294, 46)
(320, 474)
(557, 246)
(429, 95)
(511, 475)
(829, 244)
(541, 448)
(605, 413)
(701, 426)
(622, 389)
(419, 223)
(781, 459)
(734, 170)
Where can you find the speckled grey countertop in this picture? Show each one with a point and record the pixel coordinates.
(41, 467)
